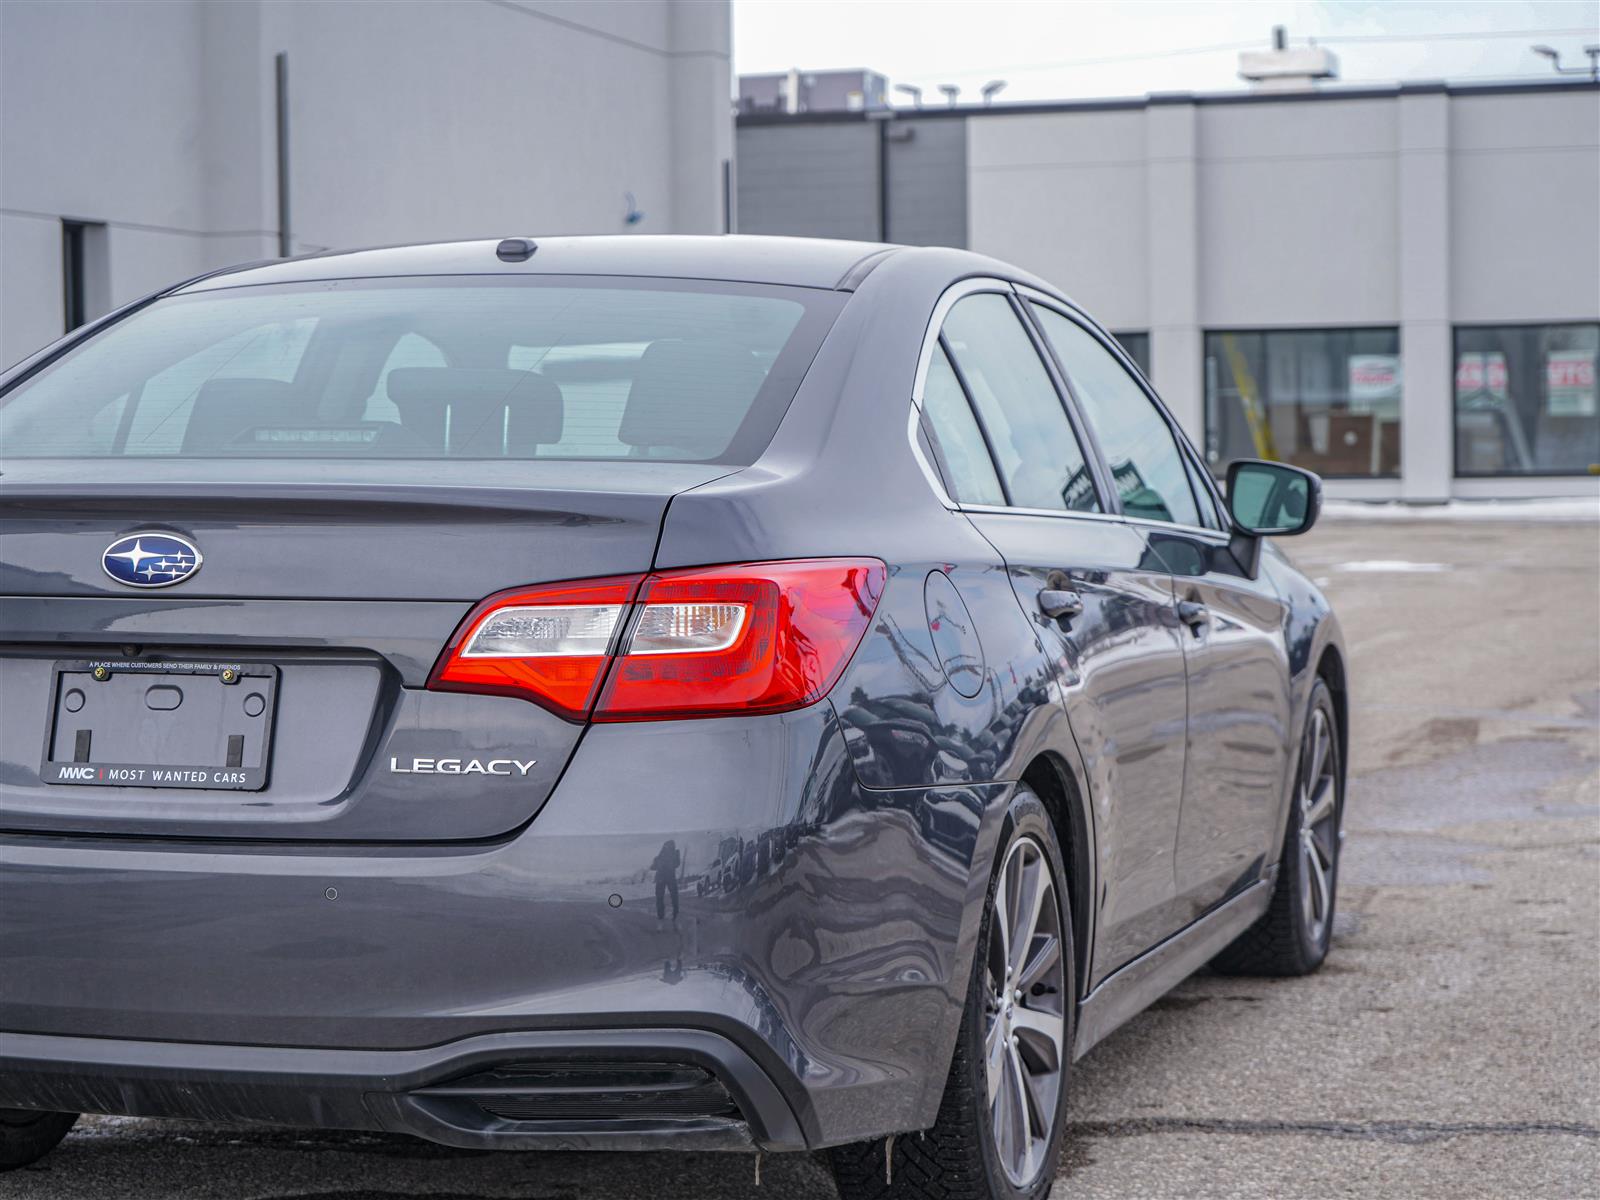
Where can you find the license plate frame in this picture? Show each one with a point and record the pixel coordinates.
(234, 700)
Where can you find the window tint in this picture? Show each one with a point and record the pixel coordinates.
(423, 368)
(166, 400)
(1040, 460)
(1145, 462)
(970, 470)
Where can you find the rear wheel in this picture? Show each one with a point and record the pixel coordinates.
(1293, 935)
(999, 1130)
(26, 1136)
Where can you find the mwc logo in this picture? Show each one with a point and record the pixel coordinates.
(77, 773)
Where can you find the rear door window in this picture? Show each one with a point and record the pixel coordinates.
(1041, 463)
(1146, 465)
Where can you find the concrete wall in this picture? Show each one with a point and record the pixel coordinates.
(1520, 165)
(408, 122)
(1065, 195)
(1296, 217)
(72, 144)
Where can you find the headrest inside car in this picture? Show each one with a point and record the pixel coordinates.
(478, 412)
(690, 396)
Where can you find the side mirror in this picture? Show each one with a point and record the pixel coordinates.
(1272, 499)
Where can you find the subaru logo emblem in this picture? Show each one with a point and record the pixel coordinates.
(151, 559)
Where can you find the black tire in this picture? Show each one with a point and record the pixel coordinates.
(1289, 939)
(26, 1135)
(958, 1158)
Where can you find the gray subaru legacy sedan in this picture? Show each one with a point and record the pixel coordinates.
(636, 693)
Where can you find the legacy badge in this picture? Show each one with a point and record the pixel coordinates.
(462, 766)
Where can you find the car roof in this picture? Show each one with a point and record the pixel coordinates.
(799, 262)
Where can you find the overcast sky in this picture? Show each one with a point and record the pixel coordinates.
(1047, 50)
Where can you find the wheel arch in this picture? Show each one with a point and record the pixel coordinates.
(1053, 780)
(1331, 670)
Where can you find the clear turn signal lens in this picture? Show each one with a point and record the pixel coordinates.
(685, 628)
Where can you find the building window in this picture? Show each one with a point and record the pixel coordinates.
(84, 294)
(1526, 401)
(72, 273)
(1324, 399)
(1137, 347)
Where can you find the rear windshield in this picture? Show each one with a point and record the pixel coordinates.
(431, 368)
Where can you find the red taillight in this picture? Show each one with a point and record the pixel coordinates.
(713, 641)
(802, 622)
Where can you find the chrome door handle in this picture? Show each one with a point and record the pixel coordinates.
(1059, 602)
(1193, 614)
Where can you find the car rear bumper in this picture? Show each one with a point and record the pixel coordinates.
(325, 985)
(429, 1092)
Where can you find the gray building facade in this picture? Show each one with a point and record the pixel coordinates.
(1398, 287)
(139, 142)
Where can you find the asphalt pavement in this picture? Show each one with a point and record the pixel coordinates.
(1450, 1047)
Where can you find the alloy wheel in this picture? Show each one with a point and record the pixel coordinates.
(1319, 826)
(1025, 1022)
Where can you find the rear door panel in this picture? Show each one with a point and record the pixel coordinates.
(1120, 667)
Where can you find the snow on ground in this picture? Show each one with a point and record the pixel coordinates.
(1391, 566)
(1565, 508)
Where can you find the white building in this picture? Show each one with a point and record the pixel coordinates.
(1398, 287)
(140, 141)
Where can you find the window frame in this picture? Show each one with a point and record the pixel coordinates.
(1071, 312)
(1216, 502)
(1455, 360)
